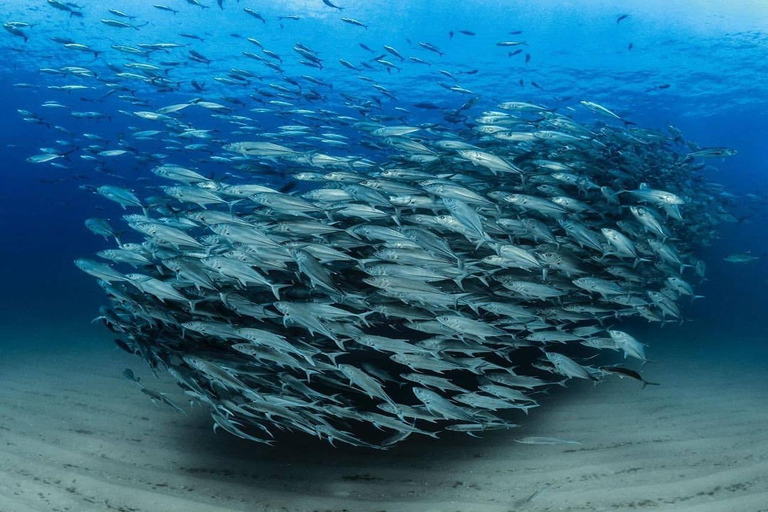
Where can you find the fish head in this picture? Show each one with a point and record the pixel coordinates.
(212, 262)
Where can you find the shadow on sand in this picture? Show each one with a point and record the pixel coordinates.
(300, 463)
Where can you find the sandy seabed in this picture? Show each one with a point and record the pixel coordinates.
(76, 436)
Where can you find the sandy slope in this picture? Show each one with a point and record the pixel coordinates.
(75, 436)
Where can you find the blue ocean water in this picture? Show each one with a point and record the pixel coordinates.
(710, 57)
(696, 65)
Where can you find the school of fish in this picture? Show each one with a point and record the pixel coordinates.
(359, 275)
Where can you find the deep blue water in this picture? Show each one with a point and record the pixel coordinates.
(712, 58)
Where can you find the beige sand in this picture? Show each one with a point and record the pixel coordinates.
(76, 436)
